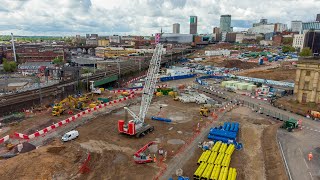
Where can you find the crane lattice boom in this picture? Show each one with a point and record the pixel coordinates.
(149, 86)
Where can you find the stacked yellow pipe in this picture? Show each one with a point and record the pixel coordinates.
(232, 175)
(207, 172)
(221, 173)
(200, 170)
(201, 157)
(226, 160)
(223, 148)
(230, 149)
(215, 173)
(219, 159)
(196, 174)
(212, 157)
(206, 157)
(216, 146)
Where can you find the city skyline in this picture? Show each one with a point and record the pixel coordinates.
(35, 17)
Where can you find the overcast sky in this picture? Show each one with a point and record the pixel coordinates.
(142, 17)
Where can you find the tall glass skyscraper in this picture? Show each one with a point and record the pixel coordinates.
(225, 23)
(193, 24)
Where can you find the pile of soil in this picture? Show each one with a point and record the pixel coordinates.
(42, 163)
(26, 147)
(271, 154)
(239, 64)
(277, 74)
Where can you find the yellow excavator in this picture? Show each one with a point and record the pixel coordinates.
(70, 102)
(204, 111)
(174, 95)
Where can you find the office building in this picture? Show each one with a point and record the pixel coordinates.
(312, 40)
(262, 29)
(225, 23)
(318, 17)
(103, 42)
(216, 30)
(193, 24)
(309, 38)
(231, 37)
(307, 85)
(280, 27)
(176, 38)
(298, 41)
(296, 26)
(176, 28)
(262, 21)
(311, 25)
(115, 39)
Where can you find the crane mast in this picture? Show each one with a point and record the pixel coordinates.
(150, 83)
(13, 48)
(136, 126)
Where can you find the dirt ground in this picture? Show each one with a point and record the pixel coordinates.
(290, 104)
(54, 161)
(95, 139)
(260, 157)
(39, 120)
(112, 152)
(228, 63)
(278, 74)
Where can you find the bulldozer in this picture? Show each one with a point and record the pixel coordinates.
(204, 111)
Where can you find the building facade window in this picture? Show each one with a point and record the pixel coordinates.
(306, 85)
(308, 73)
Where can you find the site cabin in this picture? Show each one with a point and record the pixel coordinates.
(70, 136)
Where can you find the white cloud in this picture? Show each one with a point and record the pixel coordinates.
(70, 17)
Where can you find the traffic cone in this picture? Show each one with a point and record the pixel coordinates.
(310, 156)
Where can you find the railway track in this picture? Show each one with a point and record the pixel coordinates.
(18, 99)
(54, 90)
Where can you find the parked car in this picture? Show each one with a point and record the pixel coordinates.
(70, 135)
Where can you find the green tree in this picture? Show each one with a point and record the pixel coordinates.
(58, 60)
(306, 52)
(286, 49)
(9, 66)
(287, 40)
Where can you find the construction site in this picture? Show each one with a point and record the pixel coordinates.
(186, 125)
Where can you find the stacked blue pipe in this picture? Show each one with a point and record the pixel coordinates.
(183, 178)
(231, 126)
(226, 133)
(223, 133)
(160, 119)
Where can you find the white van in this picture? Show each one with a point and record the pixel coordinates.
(70, 135)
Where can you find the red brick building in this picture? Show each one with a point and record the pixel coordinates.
(34, 53)
(277, 40)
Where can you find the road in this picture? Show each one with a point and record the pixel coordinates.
(296, 145)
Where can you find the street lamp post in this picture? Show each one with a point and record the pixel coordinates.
(119, 72)
(39, 86)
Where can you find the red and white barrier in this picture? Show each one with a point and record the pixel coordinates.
(4, 139)
(70, 119)
(137, 89)
(135, 79)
